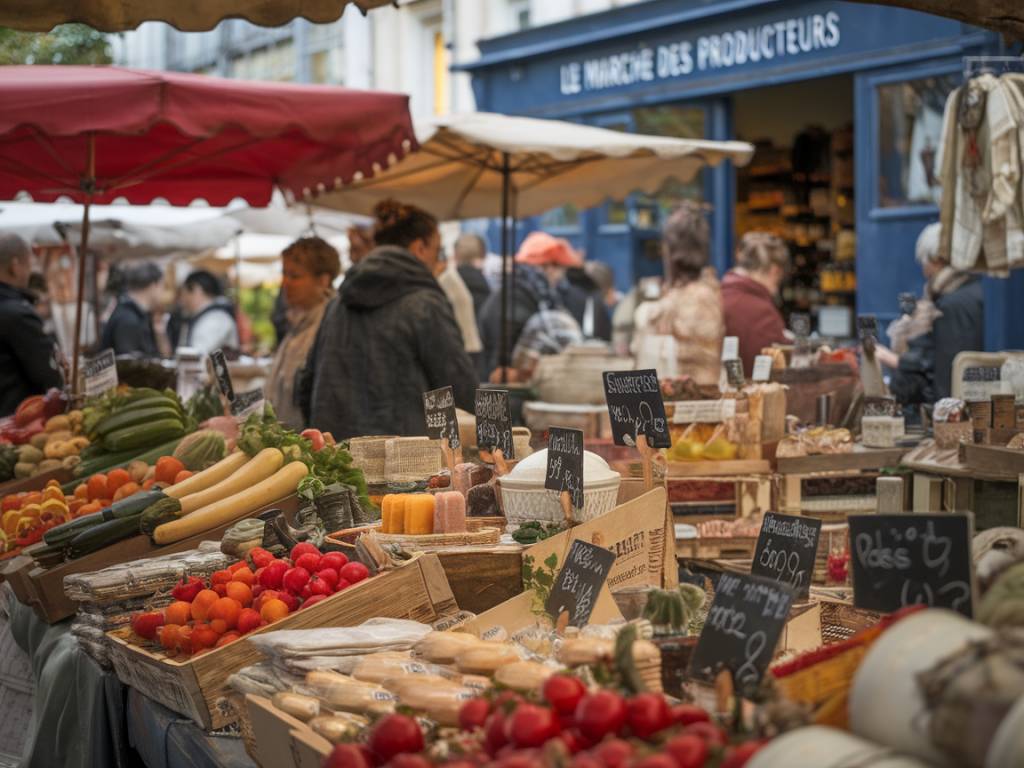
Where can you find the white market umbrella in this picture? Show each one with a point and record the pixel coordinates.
(483, 165)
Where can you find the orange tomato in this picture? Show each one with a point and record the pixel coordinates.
(244, 575)
(88, 509)
(204, 636)
(183, 475)
(75, 505)
(202, 602)
(149, 484)
(236, 566)
(82, 491)
(225, 639)
(178, 612)
(126, 490)
(167, 468)
(97, 487)
(220, 577)
(105, 502)
(223, 614)
(185, 640)
(273, 610)
(115, 479)
(239, 592)
(34, 497)
(169, 634)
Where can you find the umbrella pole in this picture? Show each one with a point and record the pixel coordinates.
(88, 184)
(506, 179)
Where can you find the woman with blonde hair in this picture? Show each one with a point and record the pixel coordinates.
(749, 292)
(309, 268)
(684, 328)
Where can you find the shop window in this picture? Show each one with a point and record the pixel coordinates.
(910, 132)
(567, 216)
(681, 122)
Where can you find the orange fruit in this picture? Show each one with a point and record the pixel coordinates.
(220, 577)
(177, 612)
(169, 636)
(230, 637)
(82, 491)
(183, 475)
(185, 640)
(204, 636)
(223, 614)
(115, 479)
(239, 592)
(88, 509)
(126, 490)
(167, 468)
(273, 610)
(244, 575)
(235, 566)
(202, 602)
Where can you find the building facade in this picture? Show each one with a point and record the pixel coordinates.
(843, 101)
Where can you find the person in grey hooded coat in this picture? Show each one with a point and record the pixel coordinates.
(389, 337)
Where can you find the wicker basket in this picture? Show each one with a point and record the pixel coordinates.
(245, 726)
(522, 505)
(369, 454)
(411, 459)
(949, 434)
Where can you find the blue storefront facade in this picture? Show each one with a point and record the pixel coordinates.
(701, 56)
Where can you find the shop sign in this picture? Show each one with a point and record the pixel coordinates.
(778, 40)
(786, 550)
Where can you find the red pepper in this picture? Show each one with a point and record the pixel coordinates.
(316, 437)
(145, 625)
(30, 409)
(187, 591)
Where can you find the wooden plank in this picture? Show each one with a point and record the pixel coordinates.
(270, 728)
(36, 482)
(309, 748)
(52, 605)
(719, 468)
(927, 493)
(197, 687)
(859, 458)
(992, 461)
(714, 548)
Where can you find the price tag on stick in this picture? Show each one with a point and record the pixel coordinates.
(100, 372)
(734, 374)
(867, 327)
(762, 368)
(786, 550)
(578, 584)
(637, 414)
(742, 629)
(222, 374)
(565, 467)
(494, 425)
(901, 560)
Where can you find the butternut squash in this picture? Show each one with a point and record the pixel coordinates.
(235, 507)
(258, 468)
(209, 477)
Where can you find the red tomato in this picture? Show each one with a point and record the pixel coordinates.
(406, 760)
(712, 734)
(613, 753)
(585, 760)
(347, 756)
(494, 733)
(186, 591)
(248, 620)
(319, 586)
(563, 692)
(738, 756)
(316, 437)
(295, 579)
(473, 714)
(308, 560)
(684, 714)
(290, 600)
(656, 761)
(146, 625)
(395, 735)
(313, 600)
(599, 714)
(335, 560)
(647, 713)
(532, 726)
(329, 575)
(353, 572)
(273, 574)
(260, 557)
(302, 548)
(688, 750)
(342, 584)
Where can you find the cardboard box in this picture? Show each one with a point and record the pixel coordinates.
(197, 687)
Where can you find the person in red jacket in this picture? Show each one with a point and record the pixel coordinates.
(748, 295)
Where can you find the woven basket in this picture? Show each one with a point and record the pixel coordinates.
(411, 459)
(245, 726)
(522, 505)
(369, 454)
(425, 542)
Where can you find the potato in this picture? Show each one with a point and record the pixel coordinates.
(23, 469)
(59, 423)
(39, 441)
(138, 469)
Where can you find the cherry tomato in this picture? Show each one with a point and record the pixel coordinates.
(494, 733)
(647, 713)
(473, 714)
(688, 750)
(599, 714)
(395, 735)
(738, 756)
(347, 756)
(613, 753)
(564, 692)
(532, 726)
(684, 714)
(656, 761)
(712, 734)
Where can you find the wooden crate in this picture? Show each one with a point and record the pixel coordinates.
(708, 548)
(197, 687)
(36, 483)
(44, 587)
(280, 740)
(483, 577)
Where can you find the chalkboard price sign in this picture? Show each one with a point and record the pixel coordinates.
(247, 402)
(494, 422)
(867, 327)
(636, 408)
(901, 560)
(742, 629)
(100, 372)
(786, 549)
(734, 373)
(743, 625)
(800, 324)
(222, 374)
(565, 463)
(579, 582)
(439, 410)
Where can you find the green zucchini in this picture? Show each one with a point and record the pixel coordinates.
(63, 533)
(133, 505)
(163, 511)
(159, 401)
(144, 435)
(136, 417)
(103, 535)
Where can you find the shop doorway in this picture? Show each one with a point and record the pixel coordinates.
(800, 186)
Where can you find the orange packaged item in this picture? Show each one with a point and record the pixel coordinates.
(393, 513)
(419, 514)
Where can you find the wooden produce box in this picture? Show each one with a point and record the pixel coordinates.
(37, 482)
(483, 577)
(713, 548)
(44, 587)
(197, 687)
(275, 739)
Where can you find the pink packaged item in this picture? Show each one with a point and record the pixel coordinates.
(449, 512)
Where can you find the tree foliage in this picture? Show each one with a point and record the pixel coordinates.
(64, 44)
